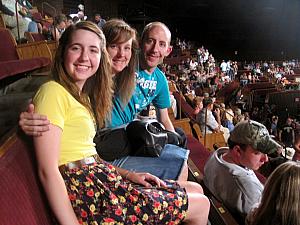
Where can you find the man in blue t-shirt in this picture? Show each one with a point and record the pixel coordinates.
(152, 86)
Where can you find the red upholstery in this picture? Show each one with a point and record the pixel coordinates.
(7, 46)
(10, 64)
(229, 88)
(38, 36)
(185, 107)
(13, 67)
(227, 91)
(21, 199)
(259, 85)
(198, 153)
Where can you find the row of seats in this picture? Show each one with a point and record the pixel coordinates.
(23, 58)
(18, 62)
(186, 110)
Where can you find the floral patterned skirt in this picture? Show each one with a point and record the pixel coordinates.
(99, 195)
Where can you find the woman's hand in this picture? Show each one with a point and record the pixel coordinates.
(145, 179)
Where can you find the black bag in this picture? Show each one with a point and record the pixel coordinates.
(112, 144)
(149, 137)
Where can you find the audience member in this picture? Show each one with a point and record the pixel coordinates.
(229, 174)
(280, 198)
(9, 16)
(69, 21)
(75, 19)
(228, 118)
(99, 20)
(287, 133)
(274, 128)
(35, 25)
(198, 105)
(208, 123)
(59, 26)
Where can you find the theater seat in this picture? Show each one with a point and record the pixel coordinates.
(36, 37)
(18, 59)
(198, 153)
(14, 67)
(22, 199)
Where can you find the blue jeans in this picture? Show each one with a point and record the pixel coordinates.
(167, 166)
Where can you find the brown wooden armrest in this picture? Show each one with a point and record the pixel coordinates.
(219, 214)
(7, 140)
(214, 139)
(183, 124)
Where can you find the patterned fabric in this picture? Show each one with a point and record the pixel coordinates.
(99, 195)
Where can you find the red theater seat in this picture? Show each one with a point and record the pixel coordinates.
(21, 196)
(18, 59)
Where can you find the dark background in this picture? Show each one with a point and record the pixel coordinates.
(259, 29)
(256, 29)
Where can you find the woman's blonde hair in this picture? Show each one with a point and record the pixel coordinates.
(97, 91)
(280, 203)
(117, 31)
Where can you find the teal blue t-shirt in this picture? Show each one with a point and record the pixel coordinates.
(121, 114)
(149, 88)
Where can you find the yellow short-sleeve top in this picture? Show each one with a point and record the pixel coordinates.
(64, 111)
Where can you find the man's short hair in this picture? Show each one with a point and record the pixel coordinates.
(207, 101)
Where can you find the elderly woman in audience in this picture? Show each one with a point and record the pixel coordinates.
(280, 203)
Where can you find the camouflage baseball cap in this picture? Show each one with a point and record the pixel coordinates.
(250, 132)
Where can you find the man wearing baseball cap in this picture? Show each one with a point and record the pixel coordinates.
(229, 174)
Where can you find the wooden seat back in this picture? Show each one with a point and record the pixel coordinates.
(2, 22)
(36, 37)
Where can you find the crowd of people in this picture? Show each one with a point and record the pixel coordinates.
(31, 20)
(252, 146)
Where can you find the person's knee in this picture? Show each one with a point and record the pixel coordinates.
(196, 188)
(198, 208)
(192, 188)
